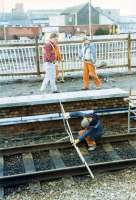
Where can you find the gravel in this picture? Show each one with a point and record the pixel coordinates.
(29, 139)
(125, 151)
(42, 161)
(99, 155)
(70, 158)
(13, 165)
(118, 185)
(15, 189)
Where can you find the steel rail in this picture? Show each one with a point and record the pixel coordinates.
(61, 172)
(63, 145)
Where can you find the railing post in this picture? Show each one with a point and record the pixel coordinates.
(37, 57)
(129, 52)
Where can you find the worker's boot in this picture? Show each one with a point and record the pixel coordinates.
(92, 146)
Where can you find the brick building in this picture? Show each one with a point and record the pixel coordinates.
(17, 32)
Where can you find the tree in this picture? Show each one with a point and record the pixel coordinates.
(102, 31)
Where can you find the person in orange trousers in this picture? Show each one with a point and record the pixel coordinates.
(88, 56)
(89, 69)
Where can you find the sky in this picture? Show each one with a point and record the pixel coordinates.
(127, 7)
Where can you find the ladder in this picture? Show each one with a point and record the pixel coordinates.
(131, 110)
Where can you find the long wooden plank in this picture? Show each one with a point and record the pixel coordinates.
(111, 152)
(133, 143)
(29, 168)
(56, 157)
(28, 162)
(58, 162)
(86, 155)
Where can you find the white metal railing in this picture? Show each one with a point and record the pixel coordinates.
(6, 42)
(114, 53)
(133, 53)
(22, 59)
(17, 59)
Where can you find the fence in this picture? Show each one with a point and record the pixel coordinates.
(18, 60)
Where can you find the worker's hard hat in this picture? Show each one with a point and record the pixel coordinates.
(85, 122)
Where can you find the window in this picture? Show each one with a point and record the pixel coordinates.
(70, 19)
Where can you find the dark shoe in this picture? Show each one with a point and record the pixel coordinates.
(58, 81)
(55, 91)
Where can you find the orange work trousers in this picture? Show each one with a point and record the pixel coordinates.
(57, 71)
(89, 69)
(87, 139)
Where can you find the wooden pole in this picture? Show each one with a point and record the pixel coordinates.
(129, 110)
(37, 57)
(62, 71)
(129, 52)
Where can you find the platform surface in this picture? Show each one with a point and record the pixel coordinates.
(63, 97)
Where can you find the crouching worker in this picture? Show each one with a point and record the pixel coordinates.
(91, 128)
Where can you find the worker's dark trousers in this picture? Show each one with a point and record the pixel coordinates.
(94, 135)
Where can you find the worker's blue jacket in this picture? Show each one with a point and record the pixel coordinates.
(94, 130)
(88, 52)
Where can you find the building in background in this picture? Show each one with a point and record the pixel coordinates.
(18, 12)
(58, 20)
(125, 24)
(77, 16)
(42, 17)
(15, 33)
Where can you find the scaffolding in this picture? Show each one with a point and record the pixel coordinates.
(131, 110)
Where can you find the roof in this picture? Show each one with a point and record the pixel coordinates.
(118, 19)
(44, 11)
(128, 19)
(112, 18)
(74, 9)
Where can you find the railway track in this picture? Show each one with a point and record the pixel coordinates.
(48, 161)
(40, 114)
